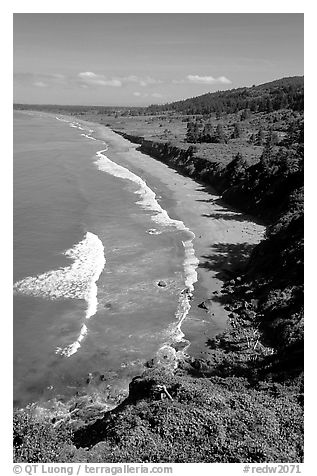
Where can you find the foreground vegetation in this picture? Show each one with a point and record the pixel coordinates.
(243, 400)
(208, 420)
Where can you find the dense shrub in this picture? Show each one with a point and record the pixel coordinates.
(210, 420)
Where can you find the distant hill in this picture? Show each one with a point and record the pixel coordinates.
(283, 93)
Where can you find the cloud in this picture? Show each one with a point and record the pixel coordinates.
(195, 78)
(137, 93)
(39, 84)
(156, 95)
(224, 80)
(92, 79)
(87, 74)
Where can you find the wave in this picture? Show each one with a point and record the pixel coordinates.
(88, 137)
(61, 119)
(148, 199)
(77, 281)
(75, 125)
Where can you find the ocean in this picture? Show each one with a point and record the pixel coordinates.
(103, 274)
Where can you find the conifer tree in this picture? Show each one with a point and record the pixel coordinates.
(245, 114)
(207, 132)
(192, 134)
(220, 137)
(236, 131)
(260, 137)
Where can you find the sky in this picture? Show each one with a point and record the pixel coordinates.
(139, 59)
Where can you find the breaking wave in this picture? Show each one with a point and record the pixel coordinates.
(77, 281)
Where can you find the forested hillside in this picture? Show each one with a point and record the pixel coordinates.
(283, 93)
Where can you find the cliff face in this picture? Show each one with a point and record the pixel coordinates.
(261, 190)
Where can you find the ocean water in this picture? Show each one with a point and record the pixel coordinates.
(91, 241)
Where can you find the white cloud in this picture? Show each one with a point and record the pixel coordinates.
(87, 74)
(39, 84)
(157, 95)
(224, 80)
(195, 78)
(108, 82)
(93, 79)
(137, 93)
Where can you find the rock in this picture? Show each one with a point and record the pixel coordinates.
(202, 305)
(153, 231)
(162, 284)
(166, 358)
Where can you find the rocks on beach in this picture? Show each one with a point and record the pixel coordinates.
(162, 284)
(153, 231)
(206, 305)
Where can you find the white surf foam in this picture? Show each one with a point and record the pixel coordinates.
(88, 137)
(148, 199)
(75, 125)
(175, 333)
(77, 281)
